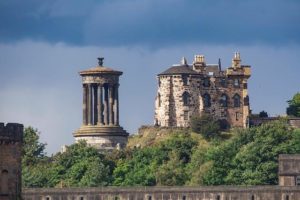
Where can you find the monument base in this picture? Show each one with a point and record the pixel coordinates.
(102, 137)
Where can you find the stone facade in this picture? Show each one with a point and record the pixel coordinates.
(187, 90)
(100, 124)
(11, 138)
(166, 193)
(289, 170)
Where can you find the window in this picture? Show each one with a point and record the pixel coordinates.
(218, 197)
(149, 197)
(223, 82)
(236, 100)
(81, 198)
(252, 197)
(185, 79)
(186, 98)
(183, 197)
(206, 99)
(298, 180)
(48, 198)
(186, 115)
(117, 198)
(158, 100)
(236, 82)
(224, 100)
(206, 82)
(237, 116)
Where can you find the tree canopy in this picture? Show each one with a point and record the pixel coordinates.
(249, 157)
(294, 106)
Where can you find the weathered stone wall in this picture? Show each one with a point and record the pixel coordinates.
(11, 137)
(165, 193)
(289, 169)
(171, 111)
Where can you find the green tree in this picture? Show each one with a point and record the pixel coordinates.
(250, 157)
(205, 125)
(33, 150)
(81, 165)
(294, 106)
(35, 163)
(263, 114)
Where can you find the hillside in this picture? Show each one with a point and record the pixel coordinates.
(151, 136)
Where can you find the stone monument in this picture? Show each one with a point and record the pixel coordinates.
(100, 125)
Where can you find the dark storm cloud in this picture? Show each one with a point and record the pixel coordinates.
(151, 23)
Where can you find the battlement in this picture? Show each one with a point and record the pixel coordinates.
(11, 132)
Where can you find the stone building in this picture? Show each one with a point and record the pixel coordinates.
(11, 138)
(100, 124)
(190, 90)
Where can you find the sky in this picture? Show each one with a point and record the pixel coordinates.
(44, 44)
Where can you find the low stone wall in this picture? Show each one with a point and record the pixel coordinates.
(165, 193)
(293, 121)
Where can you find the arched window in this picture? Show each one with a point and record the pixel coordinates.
(4, 182)
(252, 197)
(224, 100)
(236, 100)
(206, 99)
(186, 98)
(218, 197)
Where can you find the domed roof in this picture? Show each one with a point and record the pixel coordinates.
(100, 70)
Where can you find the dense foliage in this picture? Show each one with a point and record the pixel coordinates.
(249, 157)
(205, 125)
(294, 106)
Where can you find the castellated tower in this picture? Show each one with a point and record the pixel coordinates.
(191, 90)
(11, 139)
(100, 124)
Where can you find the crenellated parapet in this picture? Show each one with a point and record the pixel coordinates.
(11, 133)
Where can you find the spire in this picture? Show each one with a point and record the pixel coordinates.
(100, 61)
(220, 67)
(183, 61)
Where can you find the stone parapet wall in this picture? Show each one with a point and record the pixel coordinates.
(11, 138)
(11, 132)
(164, 193)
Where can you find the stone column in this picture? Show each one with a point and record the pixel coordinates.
(105, 105)
(90, 104)
(100, 104)
(84, 105)
(116, 105)
(111, 103)
(95, 105)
